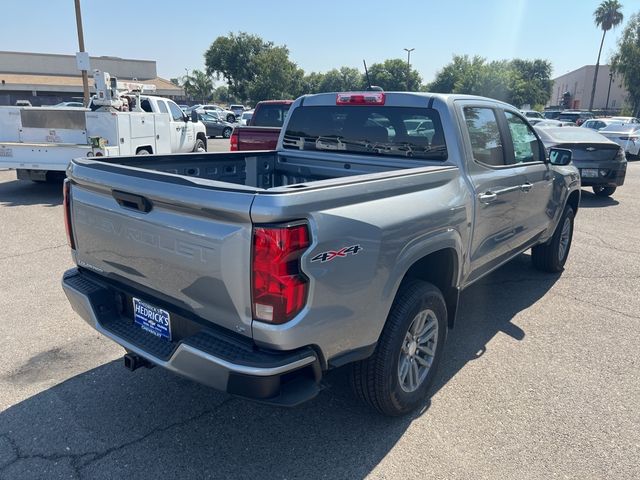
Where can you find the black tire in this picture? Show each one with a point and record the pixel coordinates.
(548, 257)
(604, 191)
(376, 380)
(200, 146)
(226, 133)
(231, 118)
(143, 151)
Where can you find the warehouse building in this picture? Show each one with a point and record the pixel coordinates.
(575, 87)
(47, 79)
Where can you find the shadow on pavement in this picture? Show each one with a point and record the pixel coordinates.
(589, 199)
(110, 423)
(23, 192)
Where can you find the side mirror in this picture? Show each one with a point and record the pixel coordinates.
(560, 156)
(194, 116)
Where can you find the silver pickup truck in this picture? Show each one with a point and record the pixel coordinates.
(257, 272)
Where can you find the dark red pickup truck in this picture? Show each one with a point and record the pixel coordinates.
(264, 127)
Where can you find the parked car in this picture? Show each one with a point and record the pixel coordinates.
(600, 123)
(264, 126)
(575, 116)
(626, 119)
(601, 162)
(216, 127)
(228, 115)
(626, 135)
(68, 105)
(184, 108)
(23, 103)
(532, 114)
(551, 114)
(237, 110)
(246, 117)
(258, 273)
(545, 122)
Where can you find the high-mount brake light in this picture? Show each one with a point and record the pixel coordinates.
(361, 98)
(279, 288)
(66, 205)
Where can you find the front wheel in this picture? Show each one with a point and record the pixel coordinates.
(226, 133)
(396, 378)
(551, 256)
(199, 146)
(604, 191)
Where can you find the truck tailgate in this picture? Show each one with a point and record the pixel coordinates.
(184, 242)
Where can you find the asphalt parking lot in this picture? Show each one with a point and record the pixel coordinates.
(541, 377)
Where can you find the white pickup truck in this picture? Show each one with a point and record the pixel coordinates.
(40, 142)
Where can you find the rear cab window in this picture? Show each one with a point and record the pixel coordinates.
(271, 115)
(369, 130)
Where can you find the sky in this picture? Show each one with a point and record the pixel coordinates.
(320, 35)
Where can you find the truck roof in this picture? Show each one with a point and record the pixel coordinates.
(397, 98)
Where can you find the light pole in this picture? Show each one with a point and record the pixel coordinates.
(408, 50)
(606, 107)
(85, 78)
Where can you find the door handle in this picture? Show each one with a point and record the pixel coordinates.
(488, 197)
(526, 187)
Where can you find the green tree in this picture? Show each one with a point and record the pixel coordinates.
(336, 80)
(277, 77)
(234, 58)
(515, 81)
(198, 85)
(626, 61)
(608, 15)
(392, 75)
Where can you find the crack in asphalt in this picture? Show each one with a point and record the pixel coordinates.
(33, 251)
(608, 245)
(602, 307)
(79, 461)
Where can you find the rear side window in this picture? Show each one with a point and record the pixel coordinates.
(270, 115)
(162, 107)
(369, 130)
(484, 133)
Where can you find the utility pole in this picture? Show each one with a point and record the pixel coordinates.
(408, 50)
(85, 78)
(606, 107)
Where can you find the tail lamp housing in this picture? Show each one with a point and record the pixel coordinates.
(279, 288)
(66, 205)
(234, 141)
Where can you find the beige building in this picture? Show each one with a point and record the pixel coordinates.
(578, 84)
(46, 79)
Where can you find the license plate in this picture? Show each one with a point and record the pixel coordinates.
(152, 319)
(589, 172)
(6, 152)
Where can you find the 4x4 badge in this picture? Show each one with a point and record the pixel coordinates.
(331, 254)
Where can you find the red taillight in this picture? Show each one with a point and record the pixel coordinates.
(234, 141)
(362, 98)
(66, 189)
(279, 288)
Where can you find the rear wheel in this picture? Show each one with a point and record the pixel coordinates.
(226, 133)
(231, 118)
(397, 377)
(551, 257)
(143, 151)
(604, 191)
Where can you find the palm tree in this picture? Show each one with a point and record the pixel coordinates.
(606, 16)
(198, 85)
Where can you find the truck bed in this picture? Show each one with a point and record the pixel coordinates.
(264, 170)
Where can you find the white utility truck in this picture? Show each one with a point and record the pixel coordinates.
(39, 142)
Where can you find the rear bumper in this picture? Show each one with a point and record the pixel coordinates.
(614, 176)
(208, 356)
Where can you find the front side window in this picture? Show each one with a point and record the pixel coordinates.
(176, 113)
(525, 143)
(484, 133)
